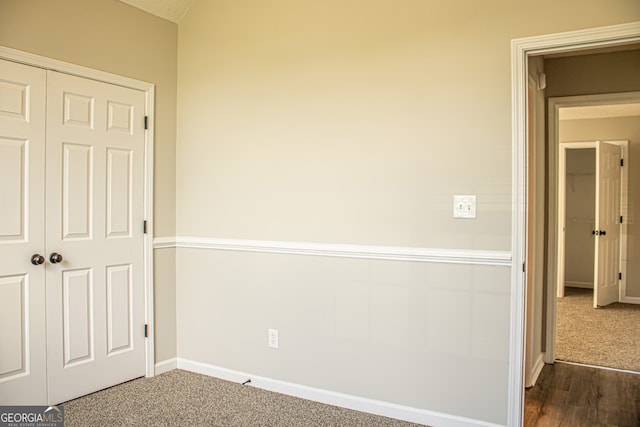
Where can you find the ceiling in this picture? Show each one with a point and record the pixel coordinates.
(172, 10)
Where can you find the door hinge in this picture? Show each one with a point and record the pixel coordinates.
(621, 162)
(524, 267)
(144, 226)
(146, 122)
(620, 219)
(620, 276)
(146, 331)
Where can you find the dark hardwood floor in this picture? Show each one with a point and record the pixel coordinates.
(569, 395)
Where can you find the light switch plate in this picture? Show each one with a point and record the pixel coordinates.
(464, 207)
(273, 338)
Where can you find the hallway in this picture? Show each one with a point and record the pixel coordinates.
(574, 396)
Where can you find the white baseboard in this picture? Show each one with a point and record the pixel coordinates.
(583, 285)
(166, 366)
(362, 404)
(537, 369)
(587, 285)
(630, 300)
(606, 368)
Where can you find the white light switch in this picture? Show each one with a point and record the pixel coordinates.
(464, 206)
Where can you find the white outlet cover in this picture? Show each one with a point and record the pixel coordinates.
(464, 207)
(273, 338)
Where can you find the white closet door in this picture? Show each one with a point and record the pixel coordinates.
(607, 253)
(94, 196)
(22, 287)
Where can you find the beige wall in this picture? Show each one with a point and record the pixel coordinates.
(348, 118)
(593, 74)
(339, 122)
(165, 304)
(620, 128)
(429, 336)
(110, 36)
(354, 122)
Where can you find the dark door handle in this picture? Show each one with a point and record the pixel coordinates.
(37, 259)
(55, 258)
(603, 233)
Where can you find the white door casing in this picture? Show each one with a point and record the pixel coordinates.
(94, 195)
(607, 232)
(22, 284)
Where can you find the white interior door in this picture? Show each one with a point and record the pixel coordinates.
(22, 285)
(607, 233)
(94, 196)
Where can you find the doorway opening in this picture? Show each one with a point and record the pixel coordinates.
(589, 118)
(531, 296)
(592, 205)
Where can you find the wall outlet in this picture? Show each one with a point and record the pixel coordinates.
(273, 338)
(464, 206)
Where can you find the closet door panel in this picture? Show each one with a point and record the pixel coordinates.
(22, 282)
(95, 294)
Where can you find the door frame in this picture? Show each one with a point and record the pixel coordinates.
(553, 246)
(562, 206)
(149, 91)
(521, 50)
(554, 106)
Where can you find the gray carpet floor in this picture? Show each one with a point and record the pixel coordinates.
(606, 336)
(181, 398)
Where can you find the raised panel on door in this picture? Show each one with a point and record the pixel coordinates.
(15, 97)
(119, 308)
(119, 192)
(22, 287)
(95, 296)
(13, 191)
(77, 191)
(14, 293)
(77, 314)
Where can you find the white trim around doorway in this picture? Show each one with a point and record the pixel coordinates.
(521, 50)
(149, 91)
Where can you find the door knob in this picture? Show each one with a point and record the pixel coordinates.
(37, 259)
(603, 233)
(55, 258)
